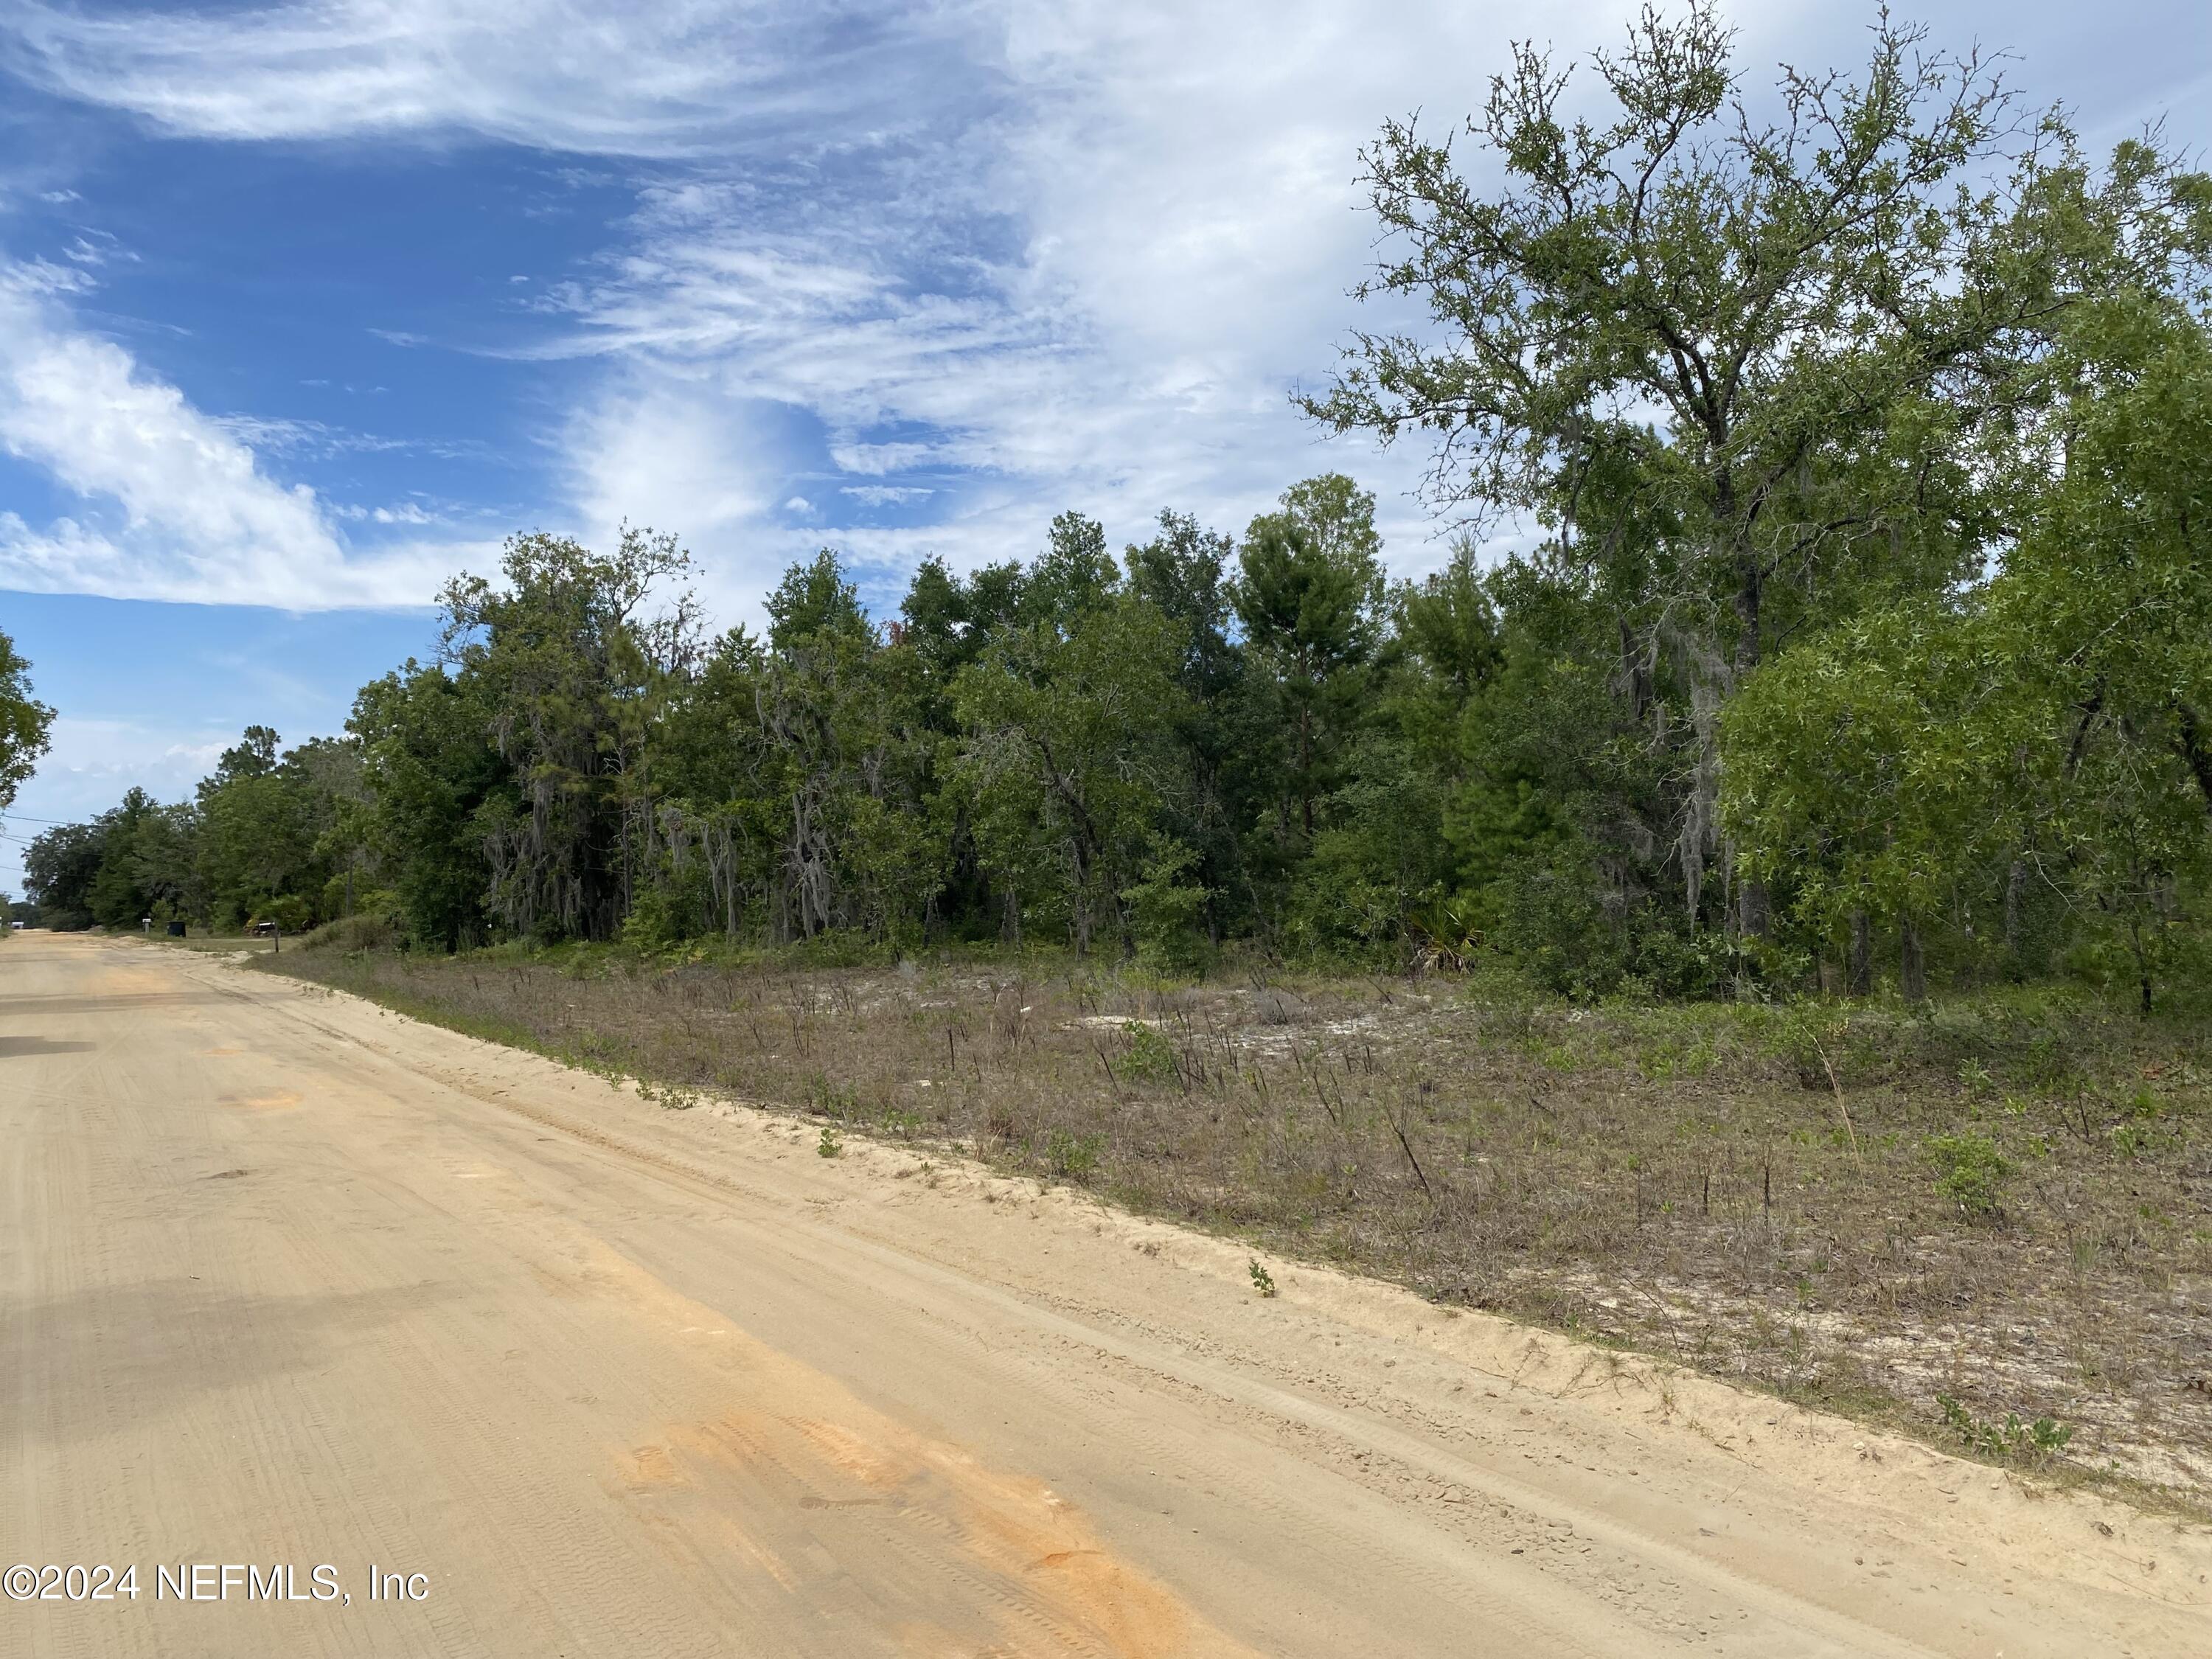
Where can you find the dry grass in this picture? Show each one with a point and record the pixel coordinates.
(1751, 1190)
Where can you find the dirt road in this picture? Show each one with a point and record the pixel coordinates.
(288, 1281)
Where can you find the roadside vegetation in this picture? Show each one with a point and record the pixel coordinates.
(1755, 910)
(1990, 1209)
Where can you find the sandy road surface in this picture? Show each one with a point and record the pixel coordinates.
(285, 1280)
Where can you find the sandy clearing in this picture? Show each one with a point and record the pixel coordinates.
(285, 1278)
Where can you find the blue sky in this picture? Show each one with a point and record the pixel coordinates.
(303, 307)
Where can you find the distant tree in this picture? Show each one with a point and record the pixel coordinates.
(1072, 577)
(429, 771)
(816, 601)
(1310, 595)
(59, 867)
(567, 655)
(254, 755)
(1186, 573)
(1069, 722)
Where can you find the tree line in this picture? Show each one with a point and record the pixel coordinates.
(1857, 431)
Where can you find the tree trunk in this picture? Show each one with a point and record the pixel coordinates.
(1747, 602)
(2195, 750)
(1859, 968)
(1912, 966)
(2142, 961)
(2015, 891)
(1754, 911)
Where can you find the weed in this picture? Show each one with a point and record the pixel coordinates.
(1149, 1057)
(2037, 1443)
(1262, 1280)
(832, 1099)
(1072, 1156)
(1970, 1171)
(831, 1144)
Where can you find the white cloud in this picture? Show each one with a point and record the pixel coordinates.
(176, 505)
(32, 277)
(886, 495)
(1098, 291)
(1022, 256)
(1075, 256)
(94, 760)
(677, 453)
(275, 436)
(656, 77)
(412, 513)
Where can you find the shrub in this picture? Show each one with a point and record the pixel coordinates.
(1149, 1057)
(1165, 905)
(1971, 1171)
(1072, 1156)
(351, 934)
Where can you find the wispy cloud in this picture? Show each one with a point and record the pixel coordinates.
(658, 77)
(979, 260)
(176, 507)
(886, 495)
(275, 436)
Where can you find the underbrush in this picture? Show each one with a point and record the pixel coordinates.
(1995, 1210)
(356, 933)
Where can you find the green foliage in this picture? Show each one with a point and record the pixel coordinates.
(2039, 733)
(1262, 1280)
(1787, 384)
(59, 868)
(1068, 759)
(1970, 1172)
(2040, 1442)
(24, 722)
(1072, 1156)
(1165, 906)
(1147, 1057)
(568, 660)
(832, 1144)
(428, 770)
(372, 929)
(1309, 595)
